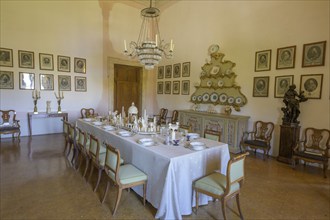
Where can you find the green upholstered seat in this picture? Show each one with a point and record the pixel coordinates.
(123, 176)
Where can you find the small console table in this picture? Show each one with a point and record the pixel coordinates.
(31, 115)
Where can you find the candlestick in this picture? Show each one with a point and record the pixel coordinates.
(125, 45)
(156, 40)
(171, 46)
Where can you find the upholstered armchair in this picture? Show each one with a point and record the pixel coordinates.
(9, 124)
(314, 148)
(259, 138)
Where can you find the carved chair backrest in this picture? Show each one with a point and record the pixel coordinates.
(8, 117)
(263, 130)
(163, 113)
(212, 135)
(87, 112)
(316, 140)
(175, 117)
(185, 128)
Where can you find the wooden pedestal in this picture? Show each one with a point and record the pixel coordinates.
(288, 140)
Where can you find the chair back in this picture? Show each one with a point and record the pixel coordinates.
(316, 140)
(162, 116)
(185, 128)
(263, 130)
(175, 116)
(87, 112)
(212, 135)
(8, 117)
(66, 128)
(94, 147)
(81, 138)
(235, 173)
(112, 163)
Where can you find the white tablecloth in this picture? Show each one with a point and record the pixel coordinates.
(171, 169)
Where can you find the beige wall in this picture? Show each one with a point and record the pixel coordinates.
(95, 30)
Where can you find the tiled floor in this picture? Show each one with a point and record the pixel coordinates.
(37, 182)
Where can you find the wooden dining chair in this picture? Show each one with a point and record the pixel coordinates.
(185, 128)
(97, 154)
(9, 124)
(69, 134)
(212, 135)
(175, 117)
(223, 187)
(83, 149)
(162, 116)
(123, 176)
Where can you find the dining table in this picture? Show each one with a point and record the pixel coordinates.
(171, 170)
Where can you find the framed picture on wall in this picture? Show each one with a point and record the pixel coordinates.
(260, 86)
(160, 87)
(185, 87)
(286, 57)
(186, 69)
(311, 85)
(177, 70)
(79, 65)
(160, 72)
(176, 87)
(282, 84)
(80, 84)
(6, 80)
(26, 81)
(168, 71)
(6, 57)
(64, 83)
(46, 81)
(25, 59)
(167, 89)
(263, 60)
(63, 63)
(314, 54)
(46, 61)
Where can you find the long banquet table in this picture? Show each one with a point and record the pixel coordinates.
(171, 169)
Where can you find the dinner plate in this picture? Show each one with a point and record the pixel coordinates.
(147, 142)
(214, 97)
(87, 119)
(223, 97)
(109, 128)
(193, 135)
(97, 123)
(195, 145)
(124, 133)
(206, 97)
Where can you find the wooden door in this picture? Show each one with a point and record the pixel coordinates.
(128, 87)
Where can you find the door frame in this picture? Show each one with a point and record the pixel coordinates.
(111, 61)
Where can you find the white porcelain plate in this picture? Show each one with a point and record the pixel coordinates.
(238, 100)
(97, 123)
(124, 133)
(214, 48)
(195, 145)
(199, 98)
(214, 97)
(231, 100)
(223, 97)
(109, 128)
(193, 98)
(206, 97)
(220, 83)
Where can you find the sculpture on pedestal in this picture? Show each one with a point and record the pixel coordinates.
(291, 110)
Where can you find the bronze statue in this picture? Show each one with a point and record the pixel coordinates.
(291, 101)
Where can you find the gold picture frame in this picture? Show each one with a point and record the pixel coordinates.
(314, 54)
(263, 60)
(311, 85)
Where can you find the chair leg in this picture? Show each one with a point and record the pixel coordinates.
(325, 166)
(98, 179)
(106, 191)
(144, 193)
(70, 146)
(117, 201)
(86, 168)
(197, 197)
(90, 173)
(73, 161)
(239, 206)
(66, 144)
(223, 202)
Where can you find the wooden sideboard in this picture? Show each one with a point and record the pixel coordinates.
(231, 126)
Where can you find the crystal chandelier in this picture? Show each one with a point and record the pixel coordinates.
(150, 48)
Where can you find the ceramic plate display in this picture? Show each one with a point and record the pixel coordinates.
(193, 98)
(214, 48)
(209, 83)
(238, 100)
(223, 97)
(199, 98)
(220, 83)
(215, 70)
(206, 97)
(231, 100)
(214, 97)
